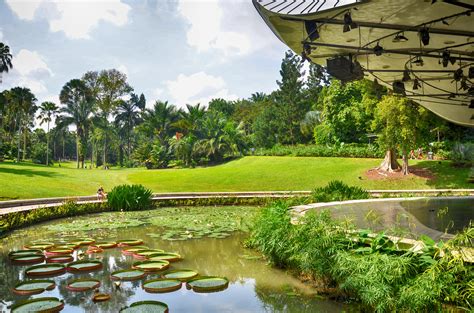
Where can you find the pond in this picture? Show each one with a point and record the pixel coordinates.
(254, 286)
(439, 217)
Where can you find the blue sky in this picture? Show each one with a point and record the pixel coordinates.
(183, 51)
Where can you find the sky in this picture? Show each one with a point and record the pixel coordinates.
(182, 51)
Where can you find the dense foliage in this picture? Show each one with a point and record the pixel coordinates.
(338, 191)
(374, 271)
(351, 150)
(129, 198)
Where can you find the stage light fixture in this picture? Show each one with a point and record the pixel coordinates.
(406, 75)
(425, 36)
(399, 87)
(418, 61)
(400, 38)
(416, 84)
(312, 30)
(378, 50)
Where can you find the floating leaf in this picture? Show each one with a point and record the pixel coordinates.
(130, 274)
(130, 242)
(143, 254)
(181, 274)
(208, 284)
(27, 259)
(39, 245)
(60, 259)
(132, 250)
(146, 306)
(45, 270)
(84, 266)
(105, 245)
(151, 266)
(167, 256)
(49, 305)
(162, 285)
(101, 297)
(23, 252)
(58, 251)
(33, 287)
(83, 284)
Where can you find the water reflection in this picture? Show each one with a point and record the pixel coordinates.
(254, 285)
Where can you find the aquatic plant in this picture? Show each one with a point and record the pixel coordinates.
(129, 198)
(338, 191)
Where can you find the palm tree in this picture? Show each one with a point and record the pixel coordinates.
(5, 58)
(127, 116)
(160, 121)
(23, 107)
(47, 111)
(78, 109)
(258, 97)
(189, 121)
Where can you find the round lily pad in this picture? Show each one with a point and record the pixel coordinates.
(27, 259)
(151, 266)
(208, 284)
(181, 274)
(83, 284)
(105, 244)
(146, 306)
(130, 274)
(167, 256)
(130, 242)
(101, 297)
(143, 254)
(49, 305)
(82, 241)
(58, 251)
(162, 285)
(39, 245)
(23, 252)
(132, 250)
(92, 250)
(45, 270)
(60, 259)
(72, 246)
(84, 266)
(33, 287)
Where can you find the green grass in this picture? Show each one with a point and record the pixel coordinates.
(246, 174)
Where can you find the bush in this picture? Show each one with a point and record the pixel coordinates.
(338, 191)
(351, 150)
(129, 198)
(38, 154)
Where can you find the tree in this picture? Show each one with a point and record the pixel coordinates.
(5, 58)
(222, 106)
(159, 121)
(47, 111)
(190, 120)
(78, 109)
(398, 122)
(127, 116)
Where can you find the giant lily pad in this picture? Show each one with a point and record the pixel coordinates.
(162, 285)
(39, 245)
(143, 254)
(146, 306)
(82, 241)
(130, 242)
(43, 305)
(92, 250)
(101, 297)
(46, 270)
(58, 251)
(27, 259)
(83, 284)
(130, 274)
(181, 274)
(208, 284)
(84, 266)
(167, 256)
(23, 252)
(105, 244)
(33, 287)
(151, 266)
(132, 250)
(60, 259)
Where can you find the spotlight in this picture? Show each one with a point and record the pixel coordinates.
(406, 75)
(312, 30)
(400, 38)
(471, 106)
(348, 23)
(458, 74)
(416, 84)
(471, 72)
(425, 36)
(307, 49)
(464, 85)
(445, 58)
(346, 28)
(399, 87)
(418, 61)
(304, 57)
(378, 50)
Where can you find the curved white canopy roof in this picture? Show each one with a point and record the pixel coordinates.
(394, 29)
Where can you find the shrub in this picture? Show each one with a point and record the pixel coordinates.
(129, 198)
(338, 191)
(351, 150)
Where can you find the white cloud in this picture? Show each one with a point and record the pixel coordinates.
(28, 62)
(197, 88)
(122, 68)
(157, 92)
(1, 35)
(76, 18)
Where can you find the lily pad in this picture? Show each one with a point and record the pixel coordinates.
(33, 287)
(83, 241)
(132, 250)
(151, 266)
(39, 245)
(143, 254)
(84, 266)
(101, 297)
(181, 274)
(43, 305)
(23, 252)
(46, 270)
(27, 259)
(162, 285)
(92, 250)
(208, 284)
(146, 306)
(83, 284)
(105, 244)
(130, 242)
(130, 274)
(167, 256)
(58, 251)
(72, 246)
(60, 259)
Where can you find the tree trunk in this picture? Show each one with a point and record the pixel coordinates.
(18, 142)
(104, 157)
(92, 152)
(77, 151)
(47, 146)
(405, 163)
(24, 142)
(390, 163)
(64, 144)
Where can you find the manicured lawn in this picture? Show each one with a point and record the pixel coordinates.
(246, 174)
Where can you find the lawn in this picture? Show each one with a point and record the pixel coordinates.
(246, 174)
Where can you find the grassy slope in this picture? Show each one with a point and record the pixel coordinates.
(246, 174)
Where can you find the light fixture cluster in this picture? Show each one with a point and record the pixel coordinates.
(348, 23)
(446, 58)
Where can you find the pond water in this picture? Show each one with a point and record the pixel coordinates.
(254, 285)
(438, 218)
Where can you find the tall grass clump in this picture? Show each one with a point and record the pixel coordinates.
(129, 198)
(338, 191)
